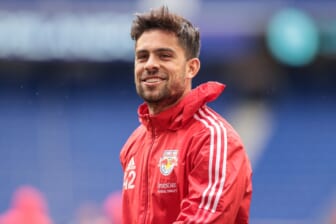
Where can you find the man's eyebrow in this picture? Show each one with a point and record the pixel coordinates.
(164, 49)
(141, 51)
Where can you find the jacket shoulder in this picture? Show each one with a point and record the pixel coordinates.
(132, 139)
(210, 123)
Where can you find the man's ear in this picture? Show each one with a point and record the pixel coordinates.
(193, 67)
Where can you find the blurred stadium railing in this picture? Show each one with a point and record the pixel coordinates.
(67, 100)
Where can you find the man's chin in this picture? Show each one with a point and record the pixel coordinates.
(152, 100)
(151, 96)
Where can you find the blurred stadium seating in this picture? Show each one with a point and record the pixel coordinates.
(64, 118)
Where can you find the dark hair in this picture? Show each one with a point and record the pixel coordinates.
(161, 18)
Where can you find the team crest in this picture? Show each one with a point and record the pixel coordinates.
(168, 161)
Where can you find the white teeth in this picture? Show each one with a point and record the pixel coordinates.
(152, 80)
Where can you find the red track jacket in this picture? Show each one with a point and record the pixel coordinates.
(186, 165)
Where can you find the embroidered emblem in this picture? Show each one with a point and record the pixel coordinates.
(168, 161)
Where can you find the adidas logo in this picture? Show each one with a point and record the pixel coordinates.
(131, 165)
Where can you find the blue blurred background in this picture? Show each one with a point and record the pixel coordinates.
(68, 102)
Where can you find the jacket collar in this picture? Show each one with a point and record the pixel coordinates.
(177, 116)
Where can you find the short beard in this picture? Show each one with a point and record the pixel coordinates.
(162, 99)
(153, 98)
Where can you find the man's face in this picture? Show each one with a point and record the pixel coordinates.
(160, 69)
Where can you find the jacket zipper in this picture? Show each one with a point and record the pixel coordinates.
(147, 169)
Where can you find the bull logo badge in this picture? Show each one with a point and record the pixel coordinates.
(168, 161)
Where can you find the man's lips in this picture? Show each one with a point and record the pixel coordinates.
(152, 80)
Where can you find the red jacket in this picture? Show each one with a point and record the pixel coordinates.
(186, 165)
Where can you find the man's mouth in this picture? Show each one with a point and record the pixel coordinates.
(152, 80)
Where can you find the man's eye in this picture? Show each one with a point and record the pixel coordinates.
(165, 55)
(141, 57)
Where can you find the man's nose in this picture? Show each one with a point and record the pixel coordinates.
(151, 64)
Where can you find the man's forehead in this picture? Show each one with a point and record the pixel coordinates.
(157, 37)
(156, 41)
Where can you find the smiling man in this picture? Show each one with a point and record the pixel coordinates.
(163, 73)
(184, 163)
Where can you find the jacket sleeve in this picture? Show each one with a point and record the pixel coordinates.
(219, 184)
